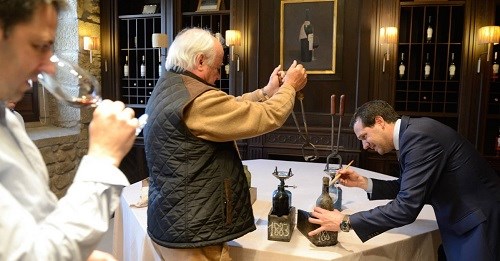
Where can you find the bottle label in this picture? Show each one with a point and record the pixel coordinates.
(427, 70)
(402, 69)
(429, 33)
(452, 71)
(125, 70)
(495, 68)
(143, 71)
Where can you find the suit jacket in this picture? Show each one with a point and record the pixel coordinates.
(441, 168)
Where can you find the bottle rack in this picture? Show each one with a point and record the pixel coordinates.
(438, 94)
(216, 22)
(492, 108)
(135, 41)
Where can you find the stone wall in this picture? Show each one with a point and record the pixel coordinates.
(62, 135)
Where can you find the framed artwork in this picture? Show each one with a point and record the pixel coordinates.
(308, 33)
(208, 5)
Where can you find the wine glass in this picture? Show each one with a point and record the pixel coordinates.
(334, 192)
(75, 86)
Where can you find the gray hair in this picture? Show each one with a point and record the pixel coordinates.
(187, 45)
(13, 12)
(368, 111)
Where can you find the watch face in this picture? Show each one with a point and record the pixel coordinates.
(344, 225)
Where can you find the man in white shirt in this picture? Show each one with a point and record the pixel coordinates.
(34, 224)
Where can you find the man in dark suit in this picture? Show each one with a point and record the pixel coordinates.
(438, 167)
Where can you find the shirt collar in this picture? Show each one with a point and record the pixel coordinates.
(395, 135)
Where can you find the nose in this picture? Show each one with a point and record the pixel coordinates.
(366, 145)
(48, 65)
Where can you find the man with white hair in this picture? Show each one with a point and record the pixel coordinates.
(198, 194)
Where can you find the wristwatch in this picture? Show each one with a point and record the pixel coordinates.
(345, 225)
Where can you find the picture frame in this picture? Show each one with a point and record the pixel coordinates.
(208, 5)
(322, 14)
(149, 9)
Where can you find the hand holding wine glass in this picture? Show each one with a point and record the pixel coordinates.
(75, 86)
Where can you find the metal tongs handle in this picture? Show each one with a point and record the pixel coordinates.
(307, 142)
(335, 149)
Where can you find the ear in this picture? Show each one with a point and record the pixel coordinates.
(379, 120)
(200, 59)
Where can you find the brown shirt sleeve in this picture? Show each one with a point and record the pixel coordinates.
(219, 117)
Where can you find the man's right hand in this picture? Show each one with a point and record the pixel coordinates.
(296, 76)
(350, 178)
(112, 131)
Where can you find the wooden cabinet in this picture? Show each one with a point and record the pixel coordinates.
(430, 49)
(126, 35)
(217, 22)
(136, 53)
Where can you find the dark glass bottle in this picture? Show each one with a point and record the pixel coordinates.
(324, 200)
(281, 200)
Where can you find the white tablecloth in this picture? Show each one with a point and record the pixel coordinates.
(416, 241)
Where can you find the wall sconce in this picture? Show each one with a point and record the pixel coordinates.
(488, 35)
(388, 35)
(159, 41)
(233, 38)
(90, 44)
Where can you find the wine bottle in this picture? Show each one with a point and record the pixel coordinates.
(125, 67)
(495, 66)
(427, 68)
(160, 68)
(143, 67)
(429, 30)
(281, 200)
(324, 200)
(306, 36)
(402, 66)
(452, 67)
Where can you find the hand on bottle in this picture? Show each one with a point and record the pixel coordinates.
(296, 76)
(328, 220)
(350, 178)
(112, 131)
(275, 81)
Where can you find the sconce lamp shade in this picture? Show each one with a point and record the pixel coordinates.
(89, 43)
(489, 34)
(159, 40)
(233, 37)
(388, 35)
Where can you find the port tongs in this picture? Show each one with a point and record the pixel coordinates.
(307, 141)
(335, 149)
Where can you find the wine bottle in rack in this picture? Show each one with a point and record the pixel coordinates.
(427, 68)
(494, 71)
(125, 67)
(402, 66)
(143, 67)
(429, 30)
(306, 36)
(452, 67)
(160, 69)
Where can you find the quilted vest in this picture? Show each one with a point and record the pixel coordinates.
(198, 193)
